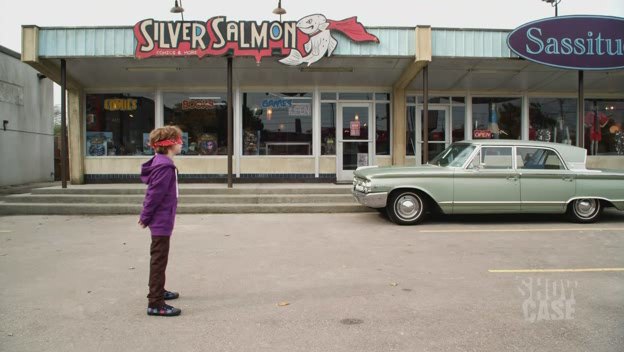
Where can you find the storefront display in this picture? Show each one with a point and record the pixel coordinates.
(382, 127)
(277, 123)
(97, 143)
(553, 120)
(500, 116)
(328, 127)
(202, 117)
(604, 119)
(116, 124)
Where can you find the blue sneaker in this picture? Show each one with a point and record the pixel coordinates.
(171, 295)
(164, 311)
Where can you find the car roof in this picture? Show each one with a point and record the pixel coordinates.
(575, 157)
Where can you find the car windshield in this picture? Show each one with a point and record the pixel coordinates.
(455, 155)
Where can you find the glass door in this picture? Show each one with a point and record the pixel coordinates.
(439, 128)
(354, 147)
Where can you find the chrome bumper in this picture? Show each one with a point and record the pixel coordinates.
(371, 200)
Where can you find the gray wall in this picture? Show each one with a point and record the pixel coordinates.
(27, 146)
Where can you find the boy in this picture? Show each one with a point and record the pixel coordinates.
(159, 210)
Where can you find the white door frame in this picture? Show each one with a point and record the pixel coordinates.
(347, 175)
(448, 136)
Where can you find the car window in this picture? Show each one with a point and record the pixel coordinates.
(455, 155)
(538, 159)
(496, 158)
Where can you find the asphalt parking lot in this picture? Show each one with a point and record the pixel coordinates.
(316, 282)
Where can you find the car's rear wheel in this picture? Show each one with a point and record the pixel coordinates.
(584, 210)
(406, 207)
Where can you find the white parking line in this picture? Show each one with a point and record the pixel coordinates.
(589, 270)
(527, 230)
(5, 231)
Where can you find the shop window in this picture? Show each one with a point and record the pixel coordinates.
(328, 96)
(277, 124)
(355, 96)
(328, 129)
(458, 121)
(382, 96)
(382, 128)
(410, 141)
(496, 118)
(118, 124)
(202, 118)
(553, 120)
(434, 100)
(603, 124)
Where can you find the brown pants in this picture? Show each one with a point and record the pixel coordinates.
(159, 252)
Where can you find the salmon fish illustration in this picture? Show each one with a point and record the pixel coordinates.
(321, 42)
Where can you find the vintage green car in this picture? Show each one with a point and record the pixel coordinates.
(493, 176)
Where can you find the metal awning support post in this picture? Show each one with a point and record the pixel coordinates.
(230, 122)
(580, 134)
(425, 118)
(64, 159)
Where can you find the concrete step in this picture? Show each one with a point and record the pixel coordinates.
(184, 199)
(342, 189)
(135, 209)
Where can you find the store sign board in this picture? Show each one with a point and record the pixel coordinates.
(120, 104)
(276, 103)
(301, 42)
(198, 104)
(572, 42)
(482, 134)
(300, 109)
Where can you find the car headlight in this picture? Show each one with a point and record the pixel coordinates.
(361, 185)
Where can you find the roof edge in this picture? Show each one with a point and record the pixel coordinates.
(474, 29)
(10, 52)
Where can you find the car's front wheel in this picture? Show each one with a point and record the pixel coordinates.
(584, 210)
(406, 208)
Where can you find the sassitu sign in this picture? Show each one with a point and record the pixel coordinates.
(301, 42)
(572, 42)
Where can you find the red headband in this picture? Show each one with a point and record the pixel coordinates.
(167, 142)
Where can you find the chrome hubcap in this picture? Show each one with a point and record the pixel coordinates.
(586, 208)
(408, 207)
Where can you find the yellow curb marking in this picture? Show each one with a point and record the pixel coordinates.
(528, 230)
(587, 270)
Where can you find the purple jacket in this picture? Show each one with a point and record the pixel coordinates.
(161, 198)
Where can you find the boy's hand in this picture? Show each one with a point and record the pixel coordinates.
(142, 224)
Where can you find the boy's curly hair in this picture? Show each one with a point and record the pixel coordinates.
(163, 134)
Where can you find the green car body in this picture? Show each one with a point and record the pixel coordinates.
(520, 177)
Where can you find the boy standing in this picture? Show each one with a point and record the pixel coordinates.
(159, 210)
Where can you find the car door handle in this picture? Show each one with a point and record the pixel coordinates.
(512, 178)
(568, 178)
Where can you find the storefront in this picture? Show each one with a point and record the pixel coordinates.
(309, 106)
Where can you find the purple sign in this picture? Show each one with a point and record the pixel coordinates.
(573, 42)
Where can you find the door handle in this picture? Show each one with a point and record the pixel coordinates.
(568, 178)
(512, 178)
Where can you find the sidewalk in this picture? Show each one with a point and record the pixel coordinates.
(27, 188)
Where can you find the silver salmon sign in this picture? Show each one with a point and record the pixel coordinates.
(301, 42)
(572, 42)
